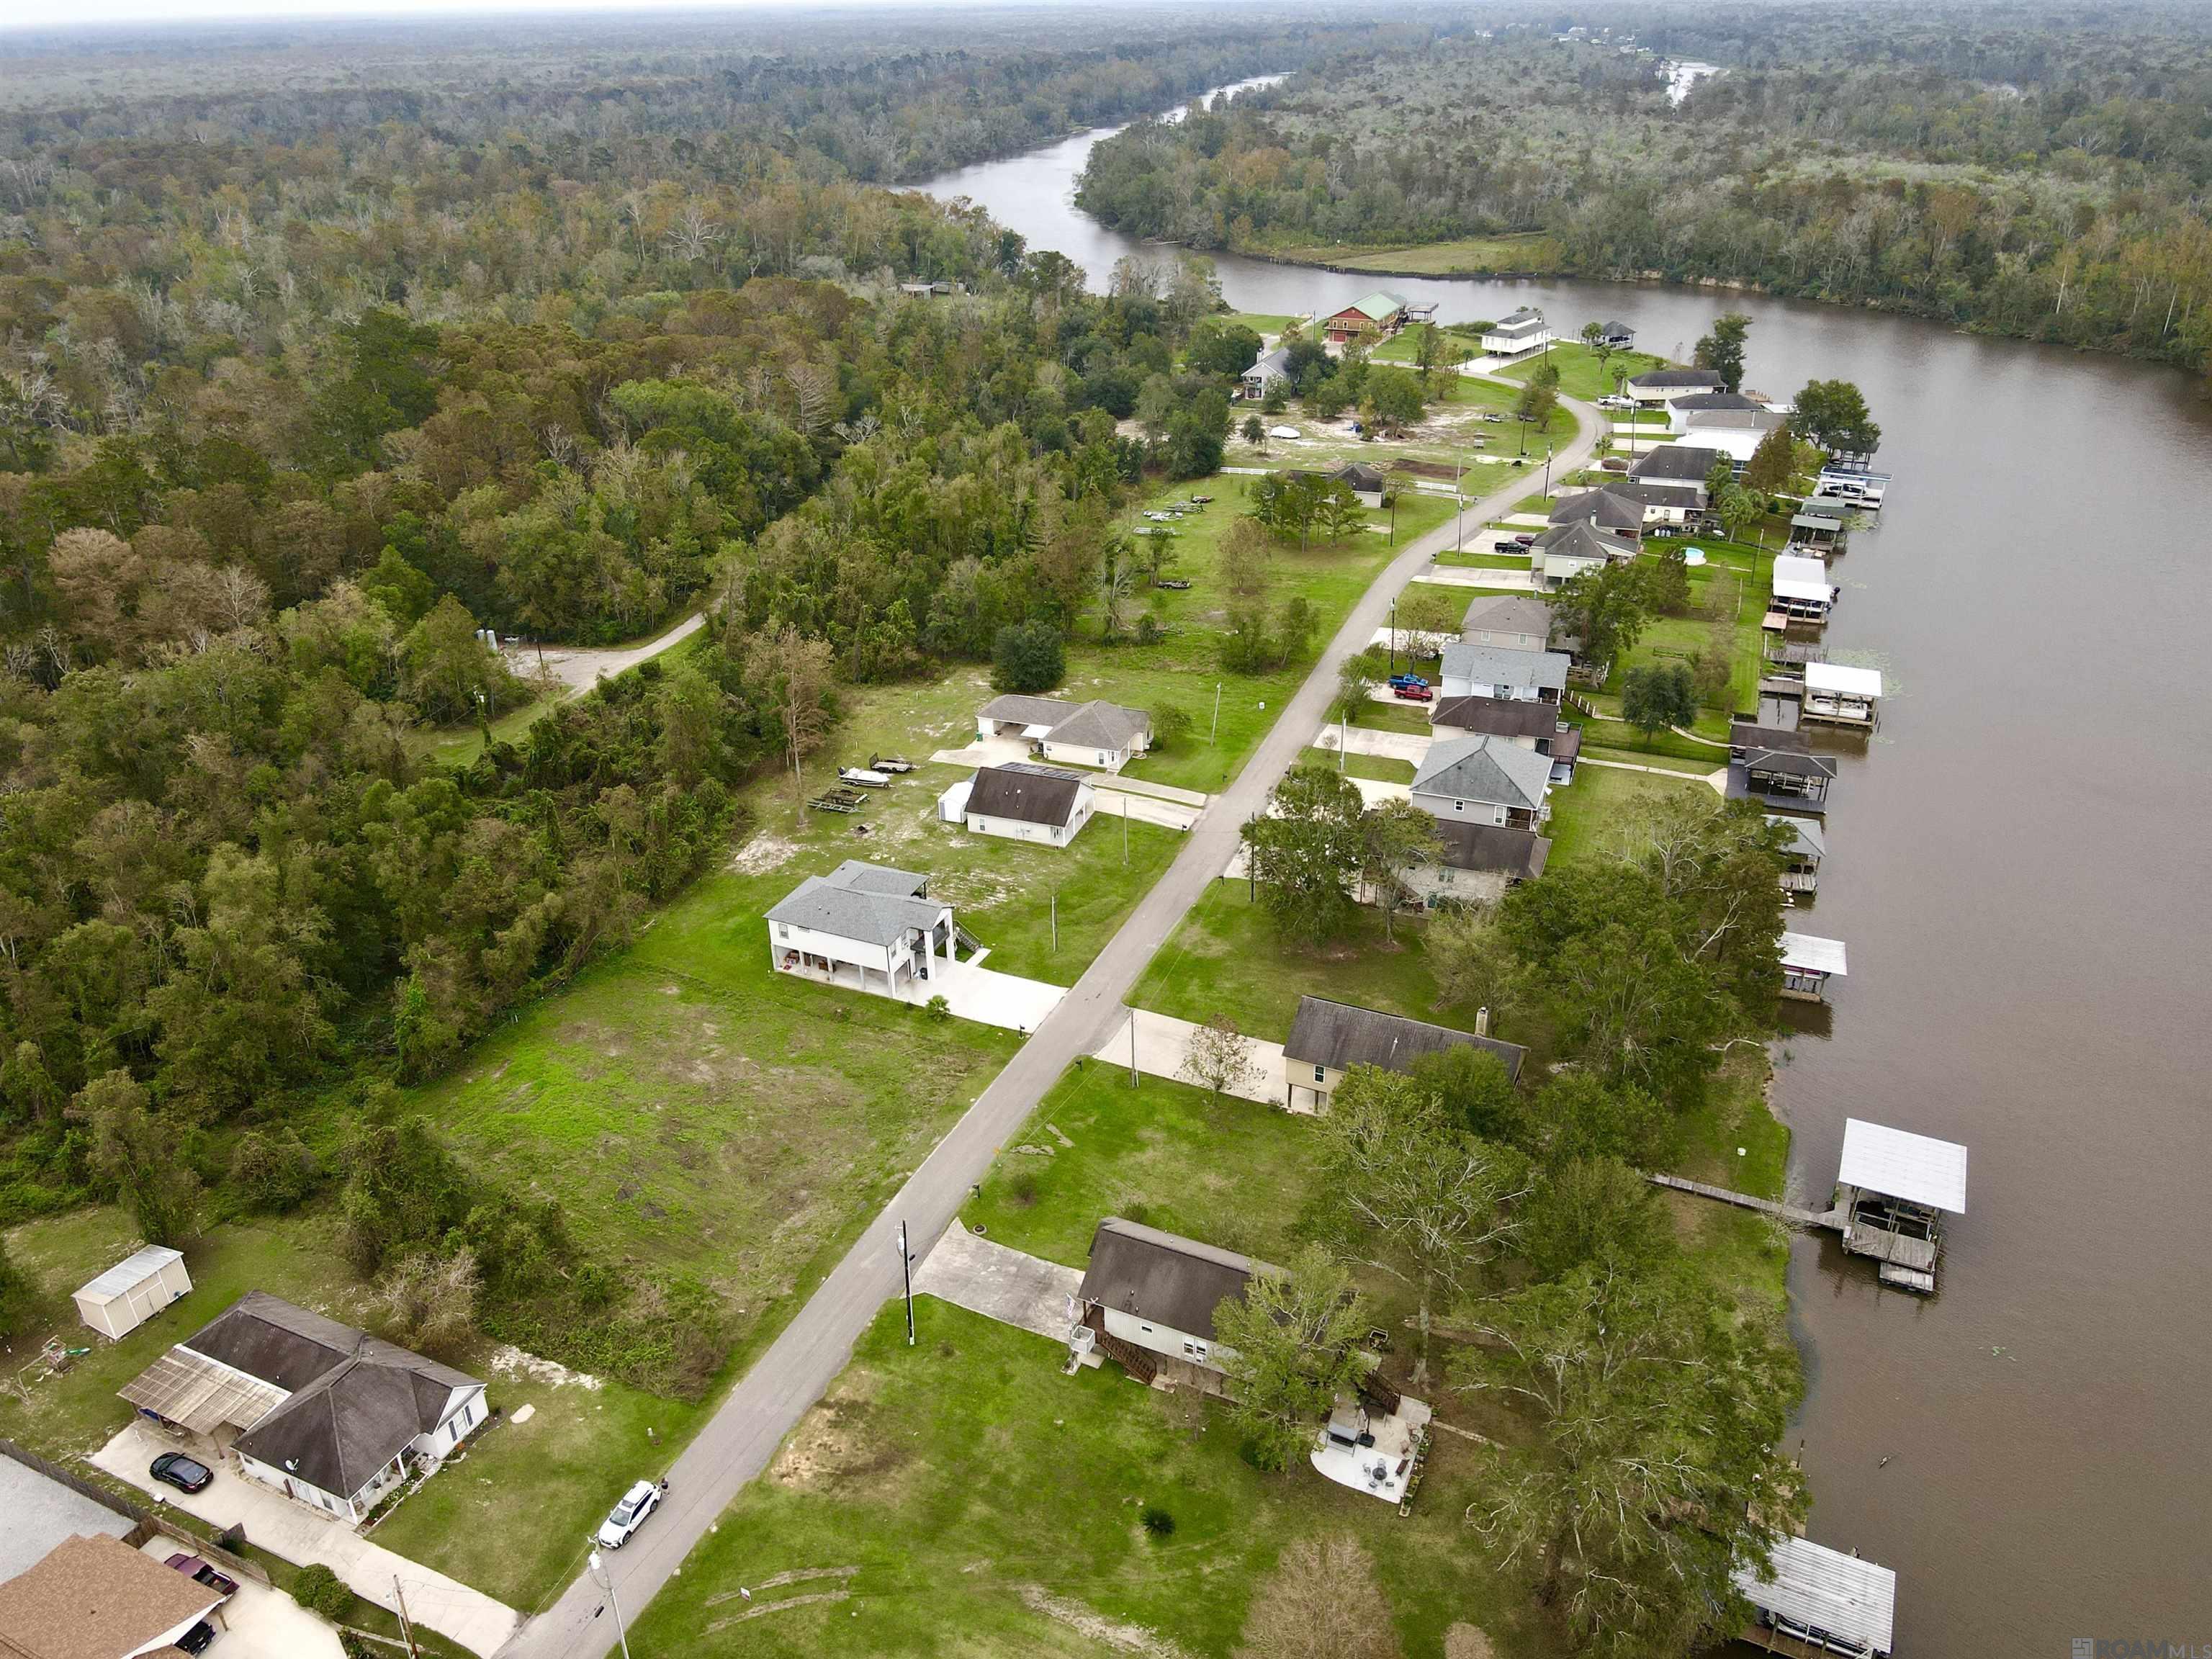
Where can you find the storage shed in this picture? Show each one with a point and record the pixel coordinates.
(133, 1290)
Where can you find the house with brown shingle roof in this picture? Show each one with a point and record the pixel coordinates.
(97, 1598)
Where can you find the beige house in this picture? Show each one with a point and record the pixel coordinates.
(1105, 735)
(133, 1290)
(1021, 802)
(1328, 1039)
(1507, 622)
(97, 1598)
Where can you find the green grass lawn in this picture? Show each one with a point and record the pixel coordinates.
(943, 1491)
(1227, 958)
(1381, 769)
(1530, 253)
(1581, 375)
(1268, 322)
(1587, 815)
(1395, 716)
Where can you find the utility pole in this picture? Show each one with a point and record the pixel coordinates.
(1394, 634)
(1124, 829)
(407, 1630)
(1459, 494)
(906, 1272)
(1055, 919)
(1214, 731)
(1547, 468)
(1132, 1048)
(614, 1601)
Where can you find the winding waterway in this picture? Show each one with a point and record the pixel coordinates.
(2018, 863)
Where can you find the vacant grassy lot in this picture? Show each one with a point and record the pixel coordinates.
(1587, 815)
(1227, 958)
(1581, 373)
(1532, 254)
(961, 1497)
(1380, 767)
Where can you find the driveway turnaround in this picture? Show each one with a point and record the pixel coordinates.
(580, 667)
(998, 1283)
(737, 1442)
(986, 995)
(1163, 1043)
(274, 1522)
(1366, 740)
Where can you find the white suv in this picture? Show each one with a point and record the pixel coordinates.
(628, 1515)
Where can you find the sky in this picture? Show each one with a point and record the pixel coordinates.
(52, 14)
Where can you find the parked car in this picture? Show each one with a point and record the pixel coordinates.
(620, 1527)
(201, 1573)
(175, 1469)
(1398, 682)
(197, 1639)
(1494, 414)
(1525, 541)
(1412, 694)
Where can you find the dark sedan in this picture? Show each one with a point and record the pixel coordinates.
(175, 1469)
(197, 1639)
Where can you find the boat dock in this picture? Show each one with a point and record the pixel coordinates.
(1832, 1220)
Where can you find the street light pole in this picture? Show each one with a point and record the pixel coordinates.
(906, 1273)
(1394, 635)
(613, 1601)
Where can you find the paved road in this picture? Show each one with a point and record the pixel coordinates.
(798, 1369)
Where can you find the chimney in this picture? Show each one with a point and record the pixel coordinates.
(1482, 1021)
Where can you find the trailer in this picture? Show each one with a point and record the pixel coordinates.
(890, 764)
(839, 800)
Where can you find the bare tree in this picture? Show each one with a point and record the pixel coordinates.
(795, 671)
(1220, 1057)
(1322, 1601)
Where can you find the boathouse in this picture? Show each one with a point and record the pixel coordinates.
(1892, 1188)
(1838, 695)
(1812, 1599)
(1808, 963)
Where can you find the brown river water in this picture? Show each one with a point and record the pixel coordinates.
(2018, 862)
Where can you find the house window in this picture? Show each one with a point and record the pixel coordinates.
(783, 930)
(1321, 1074)
(1193, 1350)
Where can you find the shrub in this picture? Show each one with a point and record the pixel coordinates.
(1023, 1189)
(937, 1008)
(1028, 658)
(1171, 726)
(1157, 1522)
(273, 1169)
(321, 1591)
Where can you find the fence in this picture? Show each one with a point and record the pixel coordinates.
(147, 1524)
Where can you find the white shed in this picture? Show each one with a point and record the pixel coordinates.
(133, 1290)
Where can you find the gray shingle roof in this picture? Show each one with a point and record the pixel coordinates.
(1505, 717)
(1508, 613)
(1716, 400)
(1608, 509)
(1027, 794)
(1029, 711)
(1690, 379)
(1582, 540)
(1339, 1036)
(1519, 853)
(1501, 664)
(1100, 726)
(1163, 1277)
(871, 903)
(1272, 364)
(1687, 462)
(1485, 768)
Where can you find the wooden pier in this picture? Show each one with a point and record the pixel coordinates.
(1831, 1219)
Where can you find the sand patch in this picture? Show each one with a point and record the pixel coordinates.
(764, 852)
(1123, 1639)
(512, 1362)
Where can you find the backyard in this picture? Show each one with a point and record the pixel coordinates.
(1582, 373)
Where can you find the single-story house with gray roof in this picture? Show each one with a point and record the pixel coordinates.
(1688, 464)
(858, 919)
(1484, 778)
(1483, 671)
(1509, 622)
(1663, 385)
(1157, 1293)
(1024, 802)
(330, 1416)
(1328, 1039)
(1101, 734)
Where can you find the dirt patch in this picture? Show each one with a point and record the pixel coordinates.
(836, 1445)
(511, 1361)
(1467, 1642)
(1123, 1639)
(764, 852)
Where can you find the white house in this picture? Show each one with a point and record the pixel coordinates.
(1101, 734)
(1515, 336)
(862, 919)
(1484, 778)
(1660, 386)
(1328, 1039)
(1736, 432)
(1481, 670)
(1148, 1300)
(133, 1290)
(1566, 551)
(330, 1416)
(1022, 802)
(1270, 371)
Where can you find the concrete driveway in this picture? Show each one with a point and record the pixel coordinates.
(1140, 808)
(987, 996)
(1366, 740)
(1461, 575)
(580, 667)
(274, 1522)
(985, 751)
(1022, 1291)
(259, 1622)
(1162, 1042)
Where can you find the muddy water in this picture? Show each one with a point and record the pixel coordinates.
(2018, 862)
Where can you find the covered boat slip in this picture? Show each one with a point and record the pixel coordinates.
(1815, 1601)
(1839, 695)
(1891, 1190)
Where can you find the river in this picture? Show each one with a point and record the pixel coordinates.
(2016, 862)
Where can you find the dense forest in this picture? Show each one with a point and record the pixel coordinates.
(2027, 171)
(302, 395)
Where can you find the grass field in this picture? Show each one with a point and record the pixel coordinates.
(1378, 768)
(963, 1498)
(1581, 373)
(1586, 816)
(1532, 254)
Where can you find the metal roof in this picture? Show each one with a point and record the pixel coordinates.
(1813, 953)
(1810, 1584)
(1900, 1164)
(129, 1272)
(1789, 566)
(1807, 838)
(199, 1393)
(1834, 677)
